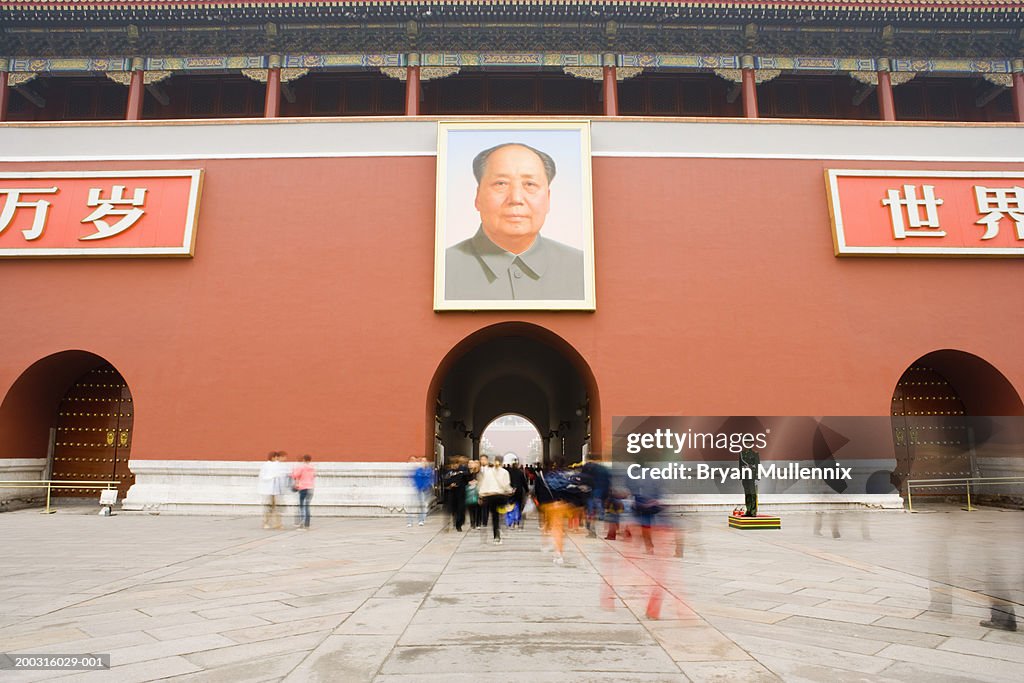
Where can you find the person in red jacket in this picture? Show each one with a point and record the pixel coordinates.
(303, 480)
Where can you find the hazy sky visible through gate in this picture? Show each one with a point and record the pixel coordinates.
(515, 434)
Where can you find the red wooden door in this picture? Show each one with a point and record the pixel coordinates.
(929, 431)
(94, 433)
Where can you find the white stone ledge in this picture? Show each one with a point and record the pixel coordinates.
(190, 140)
(375, 489)
(197, 487)
(22, 469)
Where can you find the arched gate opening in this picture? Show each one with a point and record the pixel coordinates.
(75, 409)
(514, 368)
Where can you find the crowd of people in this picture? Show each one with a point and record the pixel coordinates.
(495, 492)
(501, 493)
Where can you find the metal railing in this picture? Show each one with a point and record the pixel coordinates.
(961, 481)
(50, 484)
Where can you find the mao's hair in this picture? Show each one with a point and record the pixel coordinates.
(480, 160)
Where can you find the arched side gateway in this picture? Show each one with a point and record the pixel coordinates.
(73, 412)
(520, 368)
(955, 415)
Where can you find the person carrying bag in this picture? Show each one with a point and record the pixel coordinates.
(494, 489)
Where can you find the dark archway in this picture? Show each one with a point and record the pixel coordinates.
(954, 415)
(517, 368)
(74, 408)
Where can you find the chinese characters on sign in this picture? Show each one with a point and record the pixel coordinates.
(105, 207)
(993, 203)
(13, 203)
(958, 213)
(102, 213)
(920, 226)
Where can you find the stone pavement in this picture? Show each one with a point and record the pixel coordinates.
(874, 597)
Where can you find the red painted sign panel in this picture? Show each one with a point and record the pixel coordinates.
(99, 213)
(926, 213)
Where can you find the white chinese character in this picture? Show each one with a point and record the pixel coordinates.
(916, 225)
(997, 201)
(106, 208)
(42, 207)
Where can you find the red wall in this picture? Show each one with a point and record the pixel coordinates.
(305, 320)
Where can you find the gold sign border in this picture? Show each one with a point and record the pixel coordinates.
(188, 245)
(841, 249)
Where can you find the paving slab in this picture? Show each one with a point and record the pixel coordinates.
(344, 658)
(501, 633)
(728, 672)
(838, 640)
(286, 628)
(983, 668)
(236, 654)
(832, 657)
(990, 650)
(381, 616)
(541, 677)
(267, 669)
(697, 642)
(140, 672)
(490, 660)
(796, 671)
(913, 671)
(878, 634)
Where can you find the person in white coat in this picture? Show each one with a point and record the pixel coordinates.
(272, 484)
(493, 490)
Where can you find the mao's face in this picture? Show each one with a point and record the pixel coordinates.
(513, 197)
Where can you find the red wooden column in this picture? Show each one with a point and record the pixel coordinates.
(749, 94)
(272, 105)
(886, 105)
(611, 91)
(136, 90)
(412, 90)
(5, 92)
(1018, 97)
(748, 87)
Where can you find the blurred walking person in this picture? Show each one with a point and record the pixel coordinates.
(271, 485)
(303, 480)
(494, 490)
(600, 479)
(422, 477)
(561, 494)
(472, 494)
(520, 486)
(455, 480)
(483, 463)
